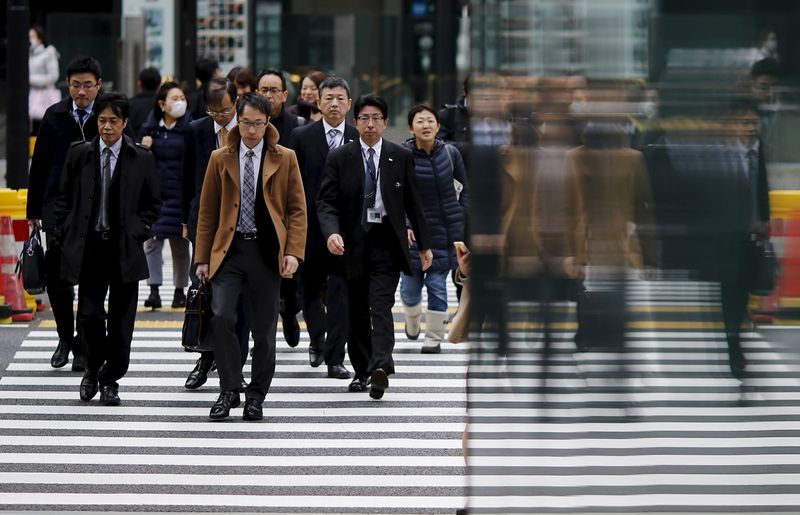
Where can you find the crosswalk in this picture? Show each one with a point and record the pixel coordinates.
(674, 434)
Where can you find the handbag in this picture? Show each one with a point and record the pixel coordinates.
(31, 266)
(601, 320)
(196, 320)
(766, 268)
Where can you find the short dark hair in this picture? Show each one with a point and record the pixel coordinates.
(370, 100)
(245, 77)
(84, 64)
(334, 82)
(741, 105)
(205, 68)
(257, 102)
(161, 95)
(315, 76)
(216, 88)
(39, 30)
(418, 109)
(117, 102)
(272, 71)
(766, 66)
(150, 78)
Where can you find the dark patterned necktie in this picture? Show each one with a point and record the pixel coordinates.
(105, 183)
(81, 116)
(370, 188)
(247, 221)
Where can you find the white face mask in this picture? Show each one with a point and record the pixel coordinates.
(34, 41)
(178, 108)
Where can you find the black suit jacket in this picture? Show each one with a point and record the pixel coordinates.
(56, 133)
(139, 206)
(200, 141)
(310, 143)
(341, 197)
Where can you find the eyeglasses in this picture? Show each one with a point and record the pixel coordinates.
(214, 112)
(268, 91)
(85, 85)
(374, 118)
(247, 124)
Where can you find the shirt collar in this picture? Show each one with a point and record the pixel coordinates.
(377, 146)
(88, 108)
(745, 150)
(115, 148)
(162, 123)
(328, 127)
(257, 149)
(231, 125)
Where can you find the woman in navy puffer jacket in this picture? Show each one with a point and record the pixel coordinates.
(442, 184)
(163, 132)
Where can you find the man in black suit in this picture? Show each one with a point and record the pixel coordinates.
(272, 86)
(205, 69)
(72, 119)
(327, 330)
(109, 195)
(203, 137)
(367, 193)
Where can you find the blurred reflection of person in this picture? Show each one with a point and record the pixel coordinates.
(43, 75)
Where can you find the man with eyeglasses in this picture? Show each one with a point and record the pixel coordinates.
(367, 193)
(203, 137)
(272, 85)
(251, 232)
(70, 120)
(327, 322)
(109, 196)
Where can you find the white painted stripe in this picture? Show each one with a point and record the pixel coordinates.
(313, 382)
(184, 369)
(231, 443)
(735, 444)
(359, 502)
(736, 502)
(683, 411)
(283, 357)
(628, 480)
(271, 413)
(283, 480)
(234, 426)
(639, 460)
(217, 460)
(632, 427)
(209, 393)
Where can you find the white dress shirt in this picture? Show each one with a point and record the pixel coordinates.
(218, 127)
(339, 137)
(115, 148)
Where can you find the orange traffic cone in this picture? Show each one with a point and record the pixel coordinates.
(12, 285)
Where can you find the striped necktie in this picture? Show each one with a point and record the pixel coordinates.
(332, 134)
(247, 220)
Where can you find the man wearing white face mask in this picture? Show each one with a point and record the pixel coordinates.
(164, 132)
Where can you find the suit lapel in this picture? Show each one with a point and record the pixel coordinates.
(322, 141)
(230, 162)
(388, 167)
(270, 162)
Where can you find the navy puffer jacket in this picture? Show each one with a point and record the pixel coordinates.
(168, 148)
(445, 214)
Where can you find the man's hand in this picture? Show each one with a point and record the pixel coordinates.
(147, 141)
(572, 268)
(336, 245)
(426, 257)
(289, 266)
(34, 223)
(463, 261)
(185, 232)
(411, 238)
(202, 272)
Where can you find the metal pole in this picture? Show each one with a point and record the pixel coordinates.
(17, 124)
(187, 42)
(444, 58)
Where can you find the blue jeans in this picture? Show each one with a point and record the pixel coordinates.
(435, 282)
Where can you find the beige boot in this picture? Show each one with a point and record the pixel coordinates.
(435, 322)
(413, 315)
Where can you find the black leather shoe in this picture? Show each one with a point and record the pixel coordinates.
(153, 301)
(79, 363)
(109, 396)
(358, 384)
(737, 362)
(222, 408)
(88, 386)
(179, 298)
(338, 372)
(315, 355)
(199, 375)
(252, 410)
(379, 382)
(61, 354)
(291, 330)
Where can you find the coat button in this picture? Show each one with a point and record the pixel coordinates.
(89, 197)
(231, 228)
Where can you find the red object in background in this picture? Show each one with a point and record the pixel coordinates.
(789, 283)
(21, 230)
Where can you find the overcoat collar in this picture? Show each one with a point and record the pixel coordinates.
(270, 157)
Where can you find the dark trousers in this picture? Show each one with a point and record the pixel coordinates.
(735, 289)
(324, 300)
(371, 298)
(106, 337)
(243, 272)
(60, 295)
(242, 319)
